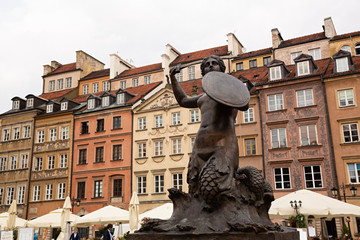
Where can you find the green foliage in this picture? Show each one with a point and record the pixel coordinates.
(15, 233)
(102, 230)
(345, 232)
(123, 237)
(297, 221)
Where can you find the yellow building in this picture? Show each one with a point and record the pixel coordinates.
(348, 42)
(253, 59)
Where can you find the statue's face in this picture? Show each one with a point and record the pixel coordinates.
(211, 65)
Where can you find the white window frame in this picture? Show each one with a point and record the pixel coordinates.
(120, 98)
(282, 181)
(91, 104)
(64, 106)
(312, 176)
(176, 146)
(342, 64)
(1, 196)
(63, 160)
(16, 105)
(61, 191)
(147, 79)
(348, 97)
(3, 163)
(176, 118)
(24, 160)
(305, 97)
(307, 137)
(303, 68)
(248, 115)
(16, 133)
(158, 121)
(13, 162)
(278, 102)
(40, 136)
(30, 102)
(123, 84)
(21, 194)
(6, 134)
(85, 89)
(95, 87)
(158, 148)
(315, 53)
(106, 86)
(159, 183)
(52, 85)
(10, 194)
(26, 131)
(36, 193)
(191, 71)
(275, 73)
(68, 82)
(52, 134)
(135, 82)
(141, 184)
(354, 173)
(293, 56)
(60, 83)
(48, 191)
(179, 76)
(98, 188)
(192, 143)
(51, 162)
(277, 134)
(351, 132)
(194, 116)
(105, 101)
(49, 108)
(38, 164)
(64, 132)
(141, 150)
(177, 181)
(142, 123)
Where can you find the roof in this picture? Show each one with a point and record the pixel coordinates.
(303, 39)
(97, 74)
(254, 53)
(188, 87)
(55, 95)
(355, 69)
(253, 75)
(198, 55)
(63, 68)
(139, 70)
(346, 35)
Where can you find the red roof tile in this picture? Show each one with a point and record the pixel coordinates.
(55, 95)
(356, 68)
(346, 35)
(254, 53)
(189, 87)
(253, 75)
(198, 55)
(139, 70)
(97, 74)
(63, 68)
(303, 39)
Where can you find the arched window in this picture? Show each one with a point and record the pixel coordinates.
(346, 48)
(357, 49)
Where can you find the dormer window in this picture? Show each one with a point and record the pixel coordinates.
(16, 105)
(91, 103)
(275, 73)
(105, 101)
(121, 98)
(303, 68)
(64, 106)
(30, 103)
(357, 49)
(342, 64)
(49, 108)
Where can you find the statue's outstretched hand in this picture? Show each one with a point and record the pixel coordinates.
(175, 69)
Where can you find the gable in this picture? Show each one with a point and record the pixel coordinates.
(162, 100)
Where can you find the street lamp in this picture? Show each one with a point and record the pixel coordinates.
(75, 201)
(294, 205)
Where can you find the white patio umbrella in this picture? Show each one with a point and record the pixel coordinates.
(105, 215)
(134, 212)
(19, 222)
(314, 204)
(162, 212)
(12, 215)
(51, 220)
(65, 217)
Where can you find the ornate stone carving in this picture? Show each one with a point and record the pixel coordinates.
(164, 102)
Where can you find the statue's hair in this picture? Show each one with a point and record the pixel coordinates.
(217, 58)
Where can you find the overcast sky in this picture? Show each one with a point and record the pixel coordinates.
(34, 32)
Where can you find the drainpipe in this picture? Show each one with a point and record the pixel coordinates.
(30, 171)
(261, 134)
(72, 154)
(131, 155)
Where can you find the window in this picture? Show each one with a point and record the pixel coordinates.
(16, 135)
(121, 98)
(52, 85)
(95, 87)
(176, 118)
(135, 82)
(26, 131)
(61, 191)
(99, 154)
(105, 101)
(177, 181)
(91, 103)
(24, 160)
(63, 161)
(342, 64)
(250, 147)
(308, 135)
(51, 162)
(41, 136)
(147, 79)
(158, 121)
(266, 60)
(142, 123)
(303, 68)
(159, 183)
(350, 132)
(179, 76)
(6, 135)
(141, 150)
(278, 138)
(64, 106)
(49, 108)
(346, 48)
(275, 102)
(117, 188)
(158, 148)
(248, 115)
(141, 184)
(176, 146)
(60, 83)
(191, 72)
(81, 190)
(117, 152)
(68, 82)
(117, 122)
(82, 156)
(30, 102)
(99, 125)
(38, 164)
(98, 188)
(2, 163)
(1, 196)
(48, 191)
(346, 98)
(313, 177)
(20, 195)
(354, 172)
(275, 73)
(123, 84)
(357, 49)
(52, 136)
(10, 195)
(36, 193)
(106, 86)
(293, 56)
(84, 127)
(240, 66)
(253, 63)
(86, 89)
(304, 98)
(315, 53)
(64, 131)
(13, 162)
(16, 105)
(282, 178)
(194, 116)
(192, 142)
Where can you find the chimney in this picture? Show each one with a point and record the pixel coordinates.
(48, 69)
(329, 28)
(118, 65)
(234, 45)
(276, 38)
(172, 52)
(55, 64)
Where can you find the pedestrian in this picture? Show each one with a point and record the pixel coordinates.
(75, 235)
(107, 234)
(35, 236)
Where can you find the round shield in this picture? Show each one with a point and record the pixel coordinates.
(226, 89)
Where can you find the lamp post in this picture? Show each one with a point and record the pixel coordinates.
(75, 201)
(353, 191)
(296, 205)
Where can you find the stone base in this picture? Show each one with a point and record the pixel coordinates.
(216, 236)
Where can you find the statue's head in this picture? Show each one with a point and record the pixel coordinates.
(212, 63)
